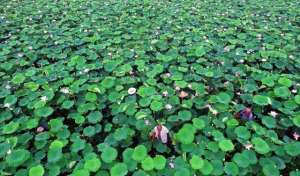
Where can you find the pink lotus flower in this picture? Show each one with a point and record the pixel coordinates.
(183, 94)
(40, 129)
(248, 146)
(296, 136)
(245, 114)
(160, 132)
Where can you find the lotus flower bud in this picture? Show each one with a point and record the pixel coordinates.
(245, 114)
(160, 132)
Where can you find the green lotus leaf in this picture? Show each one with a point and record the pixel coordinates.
(223, 98)
(92, 97)
(146, 91)
(282, 92)
(186, 134)
(182, 172)
(109, 154)
(226, 145)
(231, 168)
(269, 122)
(94, 117)
(10, 99)
(207, 168)
(92, 164)
(148, 164)
(159, 162)
(260, 145)
(198, 123)
(261, 100)
(196, 162)
(241, 159)
(269, 81)
(108, 82)
(139, 153)
(81, 172)
(18, 78)
(270, 169)
(285, 82)
(10, 128)
(36, 171)
(292, 148)
(56, 125)
(4, 148)
(119, 169)
(296, 120)
(89, 131)
(17, 157)
(297, 99)
(156, 105)
(242, 132)
(67, 104)
(44, 111)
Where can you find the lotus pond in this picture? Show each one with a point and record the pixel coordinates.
(149, 87)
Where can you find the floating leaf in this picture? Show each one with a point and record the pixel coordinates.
(223, 98)
(196, 162)
(296, 120)
(242, 132)
(119, 169)
(282, 92)
(18, 78)
(186, 134)
(10, 128)
(139, 153)
(226, 145)
(109, 154)
(231, 168)
(292, 148)
(148, 164)
(156, 105)
(261, 100)
(285, 82)
(198, 123)
(260, 145)
(241, 159)
(17, 157)
(159, 162)
(270, 170)
(37, 171)
(44, 111)
(92, 165)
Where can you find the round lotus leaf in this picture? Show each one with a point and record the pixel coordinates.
(296, 120)
(226, 145)
(270, 170)
(119, 169)
(196, 162)
(260, 145)
(156, 105)
(159, 162)
(282, 92)
(242, 132)
(10, 128)
(92, 164)
(223, 98)
(36, 171)
(109, 154)
(261, 100)
(139, 153)
(231, 168)
(297, 99)
(17, 157)
(292, 148)
(148, 164)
